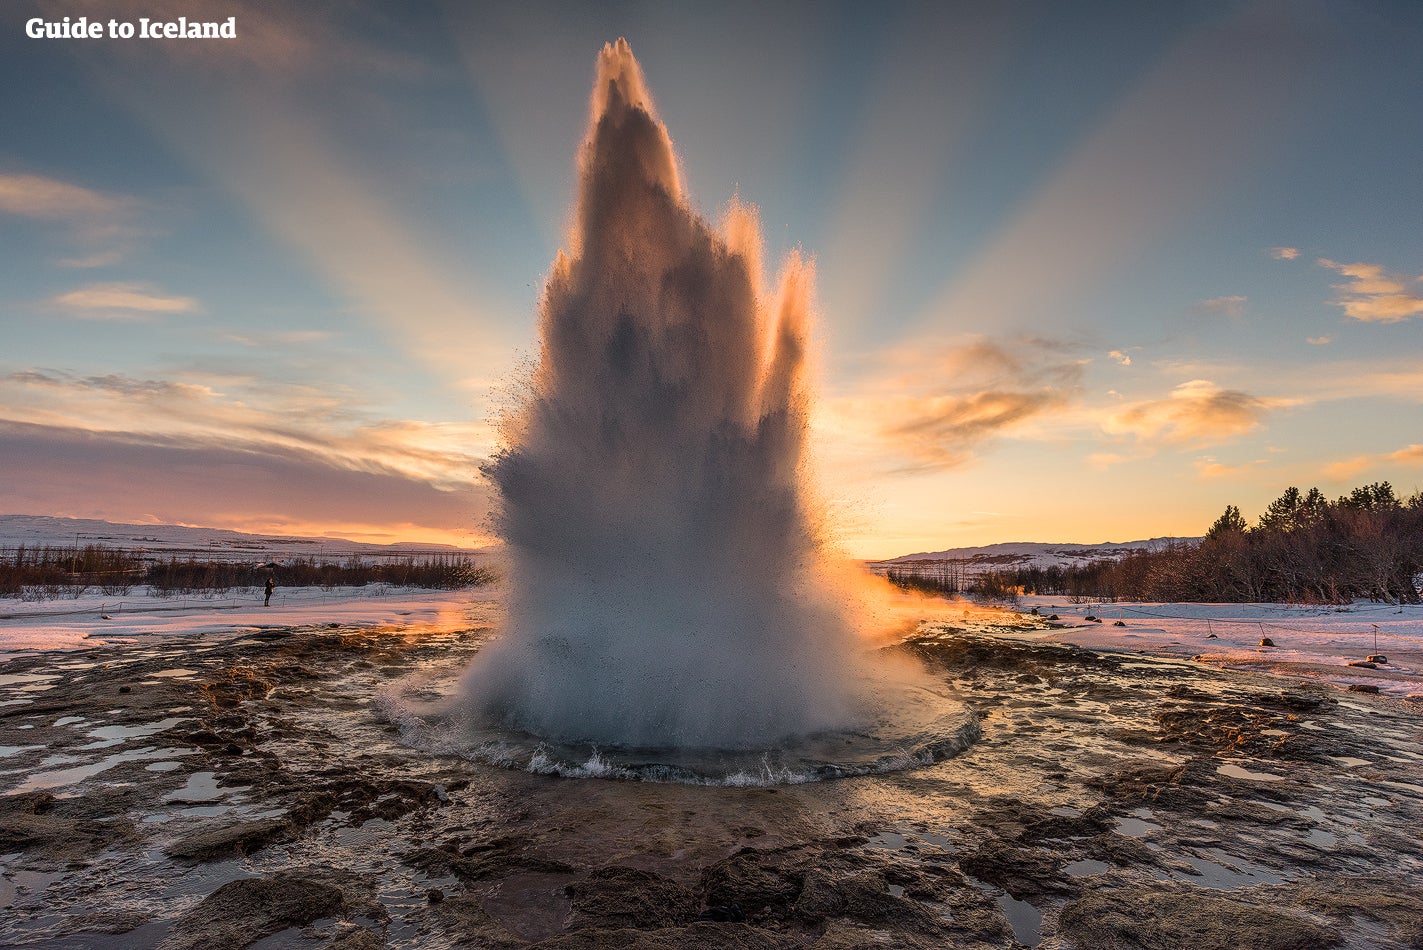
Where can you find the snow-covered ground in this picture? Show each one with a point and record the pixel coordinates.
(1311, 642)
(95, 619)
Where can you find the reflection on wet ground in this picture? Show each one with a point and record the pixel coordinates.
(223, 793)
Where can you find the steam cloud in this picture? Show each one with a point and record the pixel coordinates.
(665, 558)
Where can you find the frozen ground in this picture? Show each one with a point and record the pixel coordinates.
(97, 620)
(1309, 641)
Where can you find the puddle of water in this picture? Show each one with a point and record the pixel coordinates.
(175, 672)
(1321, 838)
(887, 841)
(13, 679)
(106, 736)
(940, 841)
(896, 890)
(1221, 878)
(70, 721)
(1086, 866)
(52, 760)
(40, 781)
(1065, 811)
(202, 787)
(15, 884)
(162, 766)
(1231, 770)
(1350, 761)
(1135, 827)
(8, 750)
(1026, 920)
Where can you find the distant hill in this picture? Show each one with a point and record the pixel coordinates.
(214, 543)
(1029, 554)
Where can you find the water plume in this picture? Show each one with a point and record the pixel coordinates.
(666, 562)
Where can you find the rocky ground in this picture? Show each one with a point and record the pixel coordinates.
(213, 793)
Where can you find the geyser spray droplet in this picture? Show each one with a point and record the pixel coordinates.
(665, 558)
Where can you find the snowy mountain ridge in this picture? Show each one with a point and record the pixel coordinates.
(222, 543)
(1033, 553)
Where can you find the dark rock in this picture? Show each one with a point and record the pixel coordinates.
(434, 895)
(1376, 658)
(730, 913)
(628, 897)
(1165, 917)
(241, 912)
(1211, 636)
(1022, 872)
(1119, 623)
(1365, 664)
(1266, 642)
(1363, 688)
(125, 689)
(1053, 617)
(355, 938)
(498, 858)
(211, 844)
(55, 832)
(703, 935)
(1392, 900)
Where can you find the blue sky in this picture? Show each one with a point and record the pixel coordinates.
(1087, 271)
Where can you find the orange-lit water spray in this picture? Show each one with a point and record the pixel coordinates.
(665, 558)
(672, 611)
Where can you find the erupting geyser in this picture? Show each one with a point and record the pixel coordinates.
(666, 561)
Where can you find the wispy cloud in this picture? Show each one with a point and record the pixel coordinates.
(126, 476)
(1120, 357)
(259, 416)
(123, 301)
(1375, 295)
(1284, 253)
(1210, 467)
(1197, 412)
(1230, 306)
(932, 409)
(101, 222)
(49, 199)
(276, 337)
(1346, 469)
(1319, 340)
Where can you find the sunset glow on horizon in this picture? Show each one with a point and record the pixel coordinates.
(1080, 276)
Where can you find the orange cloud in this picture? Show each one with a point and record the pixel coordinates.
(1375, 295)
(1350, 468)
(931, 408)
(1284, 253)
(1198, 411)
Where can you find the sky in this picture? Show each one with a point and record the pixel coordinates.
(1086, 271)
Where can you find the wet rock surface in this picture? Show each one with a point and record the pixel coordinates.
(226, 792)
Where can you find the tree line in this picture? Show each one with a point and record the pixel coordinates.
(48, 572)
(1304, 548)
